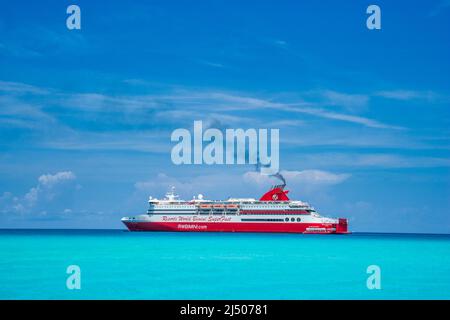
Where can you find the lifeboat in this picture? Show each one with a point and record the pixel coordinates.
(219, 206)
(205, 206)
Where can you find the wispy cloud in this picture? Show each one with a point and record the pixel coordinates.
(305, 177)
(20, 88)
(42, 42)
(278, 43)
(211, 64)
(349, 101)
(198, 100)
(233, 102)
(345, 117)
(17, 112)
(407, 95)
(143, 122)
(148, 142)
(352, 160)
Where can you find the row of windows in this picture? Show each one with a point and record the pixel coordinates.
(228, 213)
(292, 219)
(171, 212)
(250, 213)
(277, 220)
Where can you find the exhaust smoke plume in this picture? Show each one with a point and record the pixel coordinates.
(279, 176)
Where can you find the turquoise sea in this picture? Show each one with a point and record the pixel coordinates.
(117, 264)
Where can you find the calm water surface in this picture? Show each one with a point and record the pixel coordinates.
(117, 264)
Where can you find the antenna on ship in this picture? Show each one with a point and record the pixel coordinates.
(171, 195)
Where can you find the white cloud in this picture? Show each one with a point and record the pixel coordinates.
(306, 177)
(187, 187)
(49, 180)
(41, 197)
(49, 186)
(248, 184)
(315, 177)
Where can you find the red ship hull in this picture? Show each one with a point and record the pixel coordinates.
(340, 228)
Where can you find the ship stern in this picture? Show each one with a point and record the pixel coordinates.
(342, 226)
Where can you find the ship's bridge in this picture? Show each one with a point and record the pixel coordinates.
(171, 197)
(298, 203)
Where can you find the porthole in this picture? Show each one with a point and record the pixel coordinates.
(298, 219)
(292, 219)
(287, 219)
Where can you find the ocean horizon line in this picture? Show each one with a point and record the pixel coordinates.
(126, 230)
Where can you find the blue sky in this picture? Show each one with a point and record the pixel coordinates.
(86, 115)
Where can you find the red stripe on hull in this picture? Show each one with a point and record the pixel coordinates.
(238, 227)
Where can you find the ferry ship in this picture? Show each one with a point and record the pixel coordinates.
(273, 212)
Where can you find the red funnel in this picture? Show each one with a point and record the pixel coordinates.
(276, 194)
